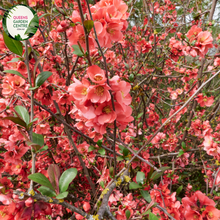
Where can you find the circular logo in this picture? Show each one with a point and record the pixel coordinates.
(20, 22)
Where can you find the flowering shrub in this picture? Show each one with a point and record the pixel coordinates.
(111, 111)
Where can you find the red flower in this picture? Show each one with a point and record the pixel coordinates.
(204, 100)
(96, 74)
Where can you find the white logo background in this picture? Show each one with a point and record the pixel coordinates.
(19, 10)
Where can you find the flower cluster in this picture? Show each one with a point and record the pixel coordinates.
(95, 106)
(199, 206)
(16, 209)
(200, 41)
(109, 20)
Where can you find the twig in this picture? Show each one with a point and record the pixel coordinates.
(30, 132)
(186, 103)
(215, 177)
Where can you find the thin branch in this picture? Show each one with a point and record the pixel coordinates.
(30, 132)
(215, 177)
(168, 120)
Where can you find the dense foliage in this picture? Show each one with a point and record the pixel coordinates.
(111, 111)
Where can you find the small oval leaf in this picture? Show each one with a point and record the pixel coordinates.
(46, 191)
(77, 50)
(41, 179)
(134, 185)
(146, 195)
(128, 214)
(42, 77)
(13, 45)
(88, 25)
(23, 113)
(16, 120)
(140, 177)
(152, 216)
(66, 178)
(38, 139)
(15, 73)
(62, 195)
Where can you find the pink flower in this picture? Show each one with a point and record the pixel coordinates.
(86, 206)
(205, 38)
(21, 67)
(77, 35)
(123, 96)
(210, 146)
(217, 62)
(193, 32)
(204, 42)
(99, 93)
(123, 114)
(105, 113)
(204, 100)
(199, 206)
(96, 74)
(211, 213)
(79, 90)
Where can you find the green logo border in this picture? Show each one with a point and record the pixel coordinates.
(32, 27)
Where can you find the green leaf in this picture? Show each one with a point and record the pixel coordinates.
(134, 185)
(140, 177)
(147, 212)
(38, 139)
(179, 189)
(157, 175)
(91, 148)
(62, 195)
(23, 113)
(15, 73)
(42, 77)
(183, 145)
(128, 214)
(42, 149)
(16, 120)
(181, 152)
(77, 50)
(102, 151)
(131, 77)
(46, 191)
(125, 152)
(41, 179)
(111, 172)
(152, 216)
(139, 115)
(120, 158)
(66, 178)
(13, 45)
(88, 25)
(146, 195)
(33, 88)
(126, 65)
(102, 184)
(14, 60)
(99, 143)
